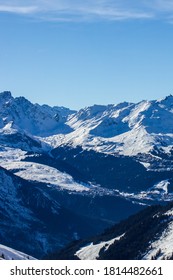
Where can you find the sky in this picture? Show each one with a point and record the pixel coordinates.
(77, 53)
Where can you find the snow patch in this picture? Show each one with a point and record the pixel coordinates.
(45, 174)
(7, 253)
(158, 192)
(145, 164)
(91, 251)
(164, 244)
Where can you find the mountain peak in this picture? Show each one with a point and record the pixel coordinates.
(167, 99)
(5, 95)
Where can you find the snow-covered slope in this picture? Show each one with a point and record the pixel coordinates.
(159, 243)
(146, 235)
(91, 251)
(45, 174)
(7, 253)
(13, 137)
(162, 247)
(127, 129)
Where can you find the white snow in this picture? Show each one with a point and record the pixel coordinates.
(45, 174)
(136, 114)
(158, 192)
(7, 253)
(162, 185)
(164, 243)
(32, 118)
(10, 154)
(145, 164)
(8, 129)
(126, 128)
(130, 136)
(91, 251)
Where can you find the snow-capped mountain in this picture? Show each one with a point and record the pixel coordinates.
(126, 128)
(66, 175)
(19, 113)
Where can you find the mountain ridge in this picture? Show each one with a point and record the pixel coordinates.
(147, 235)
(113, 128)
(75, 173)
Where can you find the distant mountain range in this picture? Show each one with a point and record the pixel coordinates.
(67, 175)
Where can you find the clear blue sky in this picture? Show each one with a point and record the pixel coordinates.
(77, 53)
